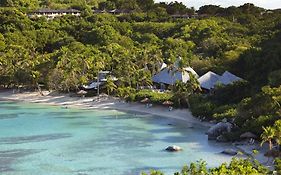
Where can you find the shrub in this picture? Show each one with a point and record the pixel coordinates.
(232, 93)
(255, 125)
(236, 166)
(155, 97)
(226, 111)
(131, 97)
(277, 165)
(125, 92)
(200, 106)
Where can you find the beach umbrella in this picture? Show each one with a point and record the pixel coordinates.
(82, 92)
(167, 103)
(248, 135)
(145, 100)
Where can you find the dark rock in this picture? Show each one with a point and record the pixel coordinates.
(173, 148)
(218, 130)
(221, 138)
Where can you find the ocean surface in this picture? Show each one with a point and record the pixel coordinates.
(38, 139)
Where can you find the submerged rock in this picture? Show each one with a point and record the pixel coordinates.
(173, 148)
(230, 152)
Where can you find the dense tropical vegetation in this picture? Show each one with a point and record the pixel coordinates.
(236, 166)
(66, 52)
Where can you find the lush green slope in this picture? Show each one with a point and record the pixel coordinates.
(68, 51)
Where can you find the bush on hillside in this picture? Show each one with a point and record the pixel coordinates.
(225, 111)
(154, 97)
(236, 166)
(125, 92)
(201, 107)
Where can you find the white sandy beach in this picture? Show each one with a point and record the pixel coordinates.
(105, 102)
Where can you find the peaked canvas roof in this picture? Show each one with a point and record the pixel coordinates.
(164, 65)
(228, 78)
(167, 76)
(209, 80)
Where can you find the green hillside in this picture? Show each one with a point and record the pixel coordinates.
(66, 52)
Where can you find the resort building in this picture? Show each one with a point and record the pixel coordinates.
(51, 14)
(189, 16)
(228, 78)
(209, 80)
(170, 76)
(101, 80)
(114, 11)
(181, 16)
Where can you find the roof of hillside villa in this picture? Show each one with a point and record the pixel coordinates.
(228, 78)
(211, 79)
(56, 11)
(164, 65)
(167, 76)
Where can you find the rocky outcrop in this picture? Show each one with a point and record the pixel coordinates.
(221, 138)
(173, 148)
(218, 130)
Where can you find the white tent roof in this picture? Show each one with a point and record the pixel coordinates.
(164, 65)
(209, 80)
(228, 78)
(167, 76)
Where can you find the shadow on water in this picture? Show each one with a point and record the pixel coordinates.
(8, 116)
(70, 117)
(36, 138)
(64, 113)
(6, 107)
(82, 123)
(9, 157)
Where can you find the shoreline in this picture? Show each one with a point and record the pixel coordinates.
(104, 103)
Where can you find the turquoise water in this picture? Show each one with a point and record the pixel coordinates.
(47, 140)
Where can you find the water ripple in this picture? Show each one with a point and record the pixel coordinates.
(36, 138)
(8, 116)
(7, 158)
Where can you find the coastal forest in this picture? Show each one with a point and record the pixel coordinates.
(68, 51)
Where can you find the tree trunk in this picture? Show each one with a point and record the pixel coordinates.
(39, 89)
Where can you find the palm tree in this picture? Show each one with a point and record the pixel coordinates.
(194, 83)
(268, 135)
(277, 129)
(110, 86)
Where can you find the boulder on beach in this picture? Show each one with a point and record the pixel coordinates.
(230, 152)
(173, 148)
(221, 138)
(248, 135)
(218, 130)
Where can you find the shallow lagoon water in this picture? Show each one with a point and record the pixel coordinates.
(38, 139)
